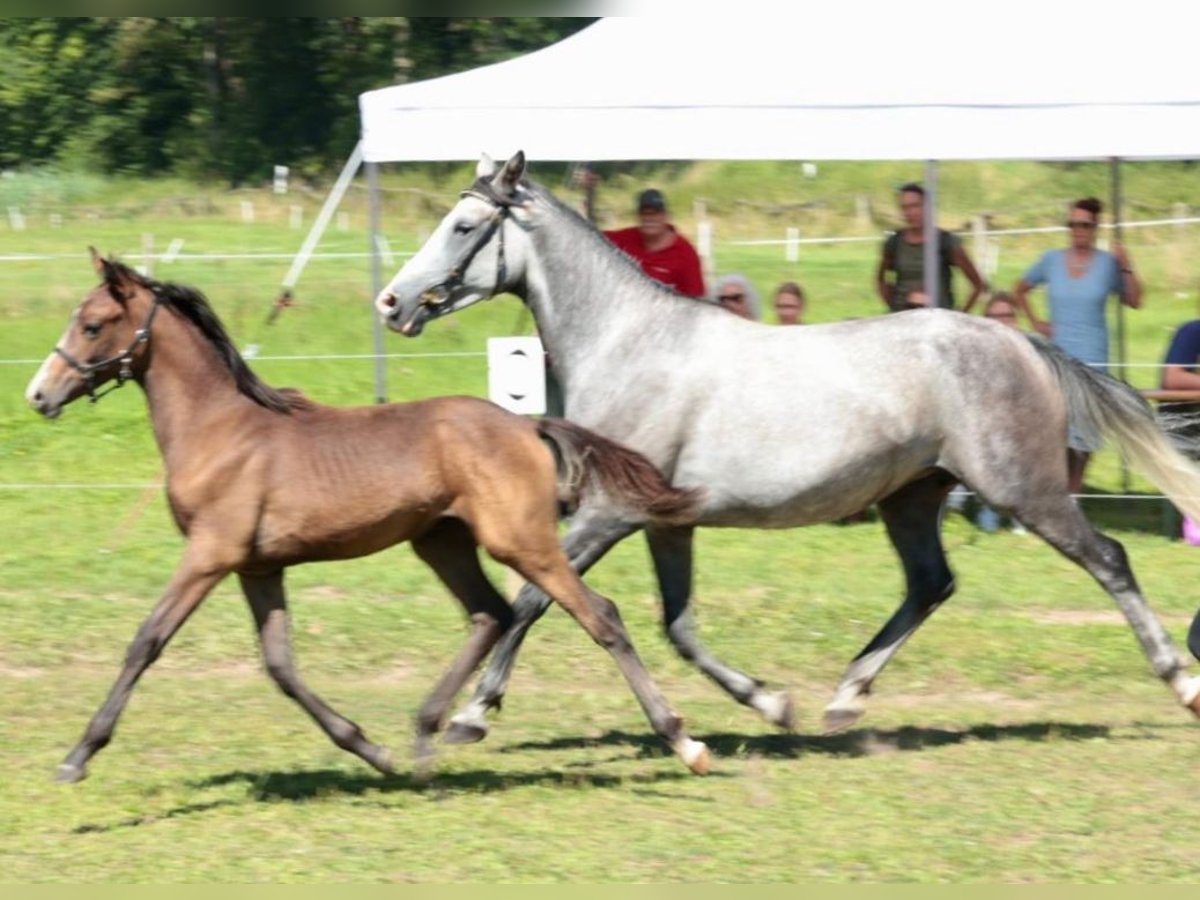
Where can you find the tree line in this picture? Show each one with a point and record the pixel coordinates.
(223, 97)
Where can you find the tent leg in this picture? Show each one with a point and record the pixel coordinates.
(376, 279)
(930, 256)
(1114, 165)
(349, 170)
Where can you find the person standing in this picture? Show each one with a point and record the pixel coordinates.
(789, 303)
(1078, 282)
(735, 293)
(904, 255)
(663, 253)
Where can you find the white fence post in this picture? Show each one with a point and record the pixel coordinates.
(791, 251)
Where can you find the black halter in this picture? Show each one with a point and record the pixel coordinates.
(480, 190)
(124, 358)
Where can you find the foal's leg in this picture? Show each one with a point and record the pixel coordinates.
(671, 549)
(190, 585)
(269, 605)
(590, 536)
(535, 554)
(450, 550)
(599, 617)
(1064, 527)
(913, 519)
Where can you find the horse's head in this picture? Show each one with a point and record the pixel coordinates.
(474, 253)
(104, 340)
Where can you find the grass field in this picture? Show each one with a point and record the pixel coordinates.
(1019, 737)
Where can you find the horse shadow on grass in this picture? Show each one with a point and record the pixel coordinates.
(308, 785)
(315, 784)
(301, 786)
(856, 743)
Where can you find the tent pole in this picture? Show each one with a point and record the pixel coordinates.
(349, 170)
(1114, 165)
(930, 255)
(373, 231)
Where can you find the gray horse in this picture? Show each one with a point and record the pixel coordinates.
(894, 411)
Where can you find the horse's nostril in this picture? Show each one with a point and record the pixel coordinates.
(389, 300)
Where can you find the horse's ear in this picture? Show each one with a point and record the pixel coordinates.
(118, 278)
(486, 167)
(97, 261)
(512, 173)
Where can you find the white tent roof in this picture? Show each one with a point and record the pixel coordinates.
(911, 79)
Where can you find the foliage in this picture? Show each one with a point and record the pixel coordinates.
(221, 96)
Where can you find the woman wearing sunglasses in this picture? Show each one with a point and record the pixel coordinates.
(1078, 281)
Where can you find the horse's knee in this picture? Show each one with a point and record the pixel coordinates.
(284, 677)
(682, 637)
(501, 618)
(610, 631)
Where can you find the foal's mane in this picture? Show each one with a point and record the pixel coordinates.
(194, 306)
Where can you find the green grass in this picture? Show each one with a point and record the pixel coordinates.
(1019, 737)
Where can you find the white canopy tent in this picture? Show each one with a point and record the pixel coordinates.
(923, 79)
(914, 80)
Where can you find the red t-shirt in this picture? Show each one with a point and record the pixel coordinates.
(677, 265)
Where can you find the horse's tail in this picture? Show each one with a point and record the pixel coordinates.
(1100, 402)
(588, 462)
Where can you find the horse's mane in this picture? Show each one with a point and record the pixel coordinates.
(194, 306)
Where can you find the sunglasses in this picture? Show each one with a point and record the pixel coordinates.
(731, 298)
(1088, 225)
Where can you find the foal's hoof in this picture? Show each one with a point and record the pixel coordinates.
(695, 756)
(466, 730)
(776, 708)
(839, 718)
(69, 773)
(381, 761)
(422, 772)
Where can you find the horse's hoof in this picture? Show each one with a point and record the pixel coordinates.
(69, 773)
(695, 756)
(776, 708)
(1188, 689)
(839, 718)
(465, 731)
(423, 769)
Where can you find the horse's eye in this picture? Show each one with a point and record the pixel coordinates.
(464, 228)
(91, 330)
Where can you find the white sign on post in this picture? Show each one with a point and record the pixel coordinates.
(517, 374)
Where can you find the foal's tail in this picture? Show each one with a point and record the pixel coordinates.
(1098, 401)
(588, 462)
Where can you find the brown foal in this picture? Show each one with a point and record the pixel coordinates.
(259, 479)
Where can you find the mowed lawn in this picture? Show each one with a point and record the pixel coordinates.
(1020, 736)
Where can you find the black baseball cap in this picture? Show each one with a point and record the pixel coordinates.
(651, 198)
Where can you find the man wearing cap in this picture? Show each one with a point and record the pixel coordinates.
(663, 253)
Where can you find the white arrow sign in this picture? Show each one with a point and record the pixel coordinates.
(517, 374)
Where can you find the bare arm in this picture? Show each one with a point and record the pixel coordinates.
(978, 285)
(1177, 378)
(883, 287)
(1131, 285)
(1021, 299)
